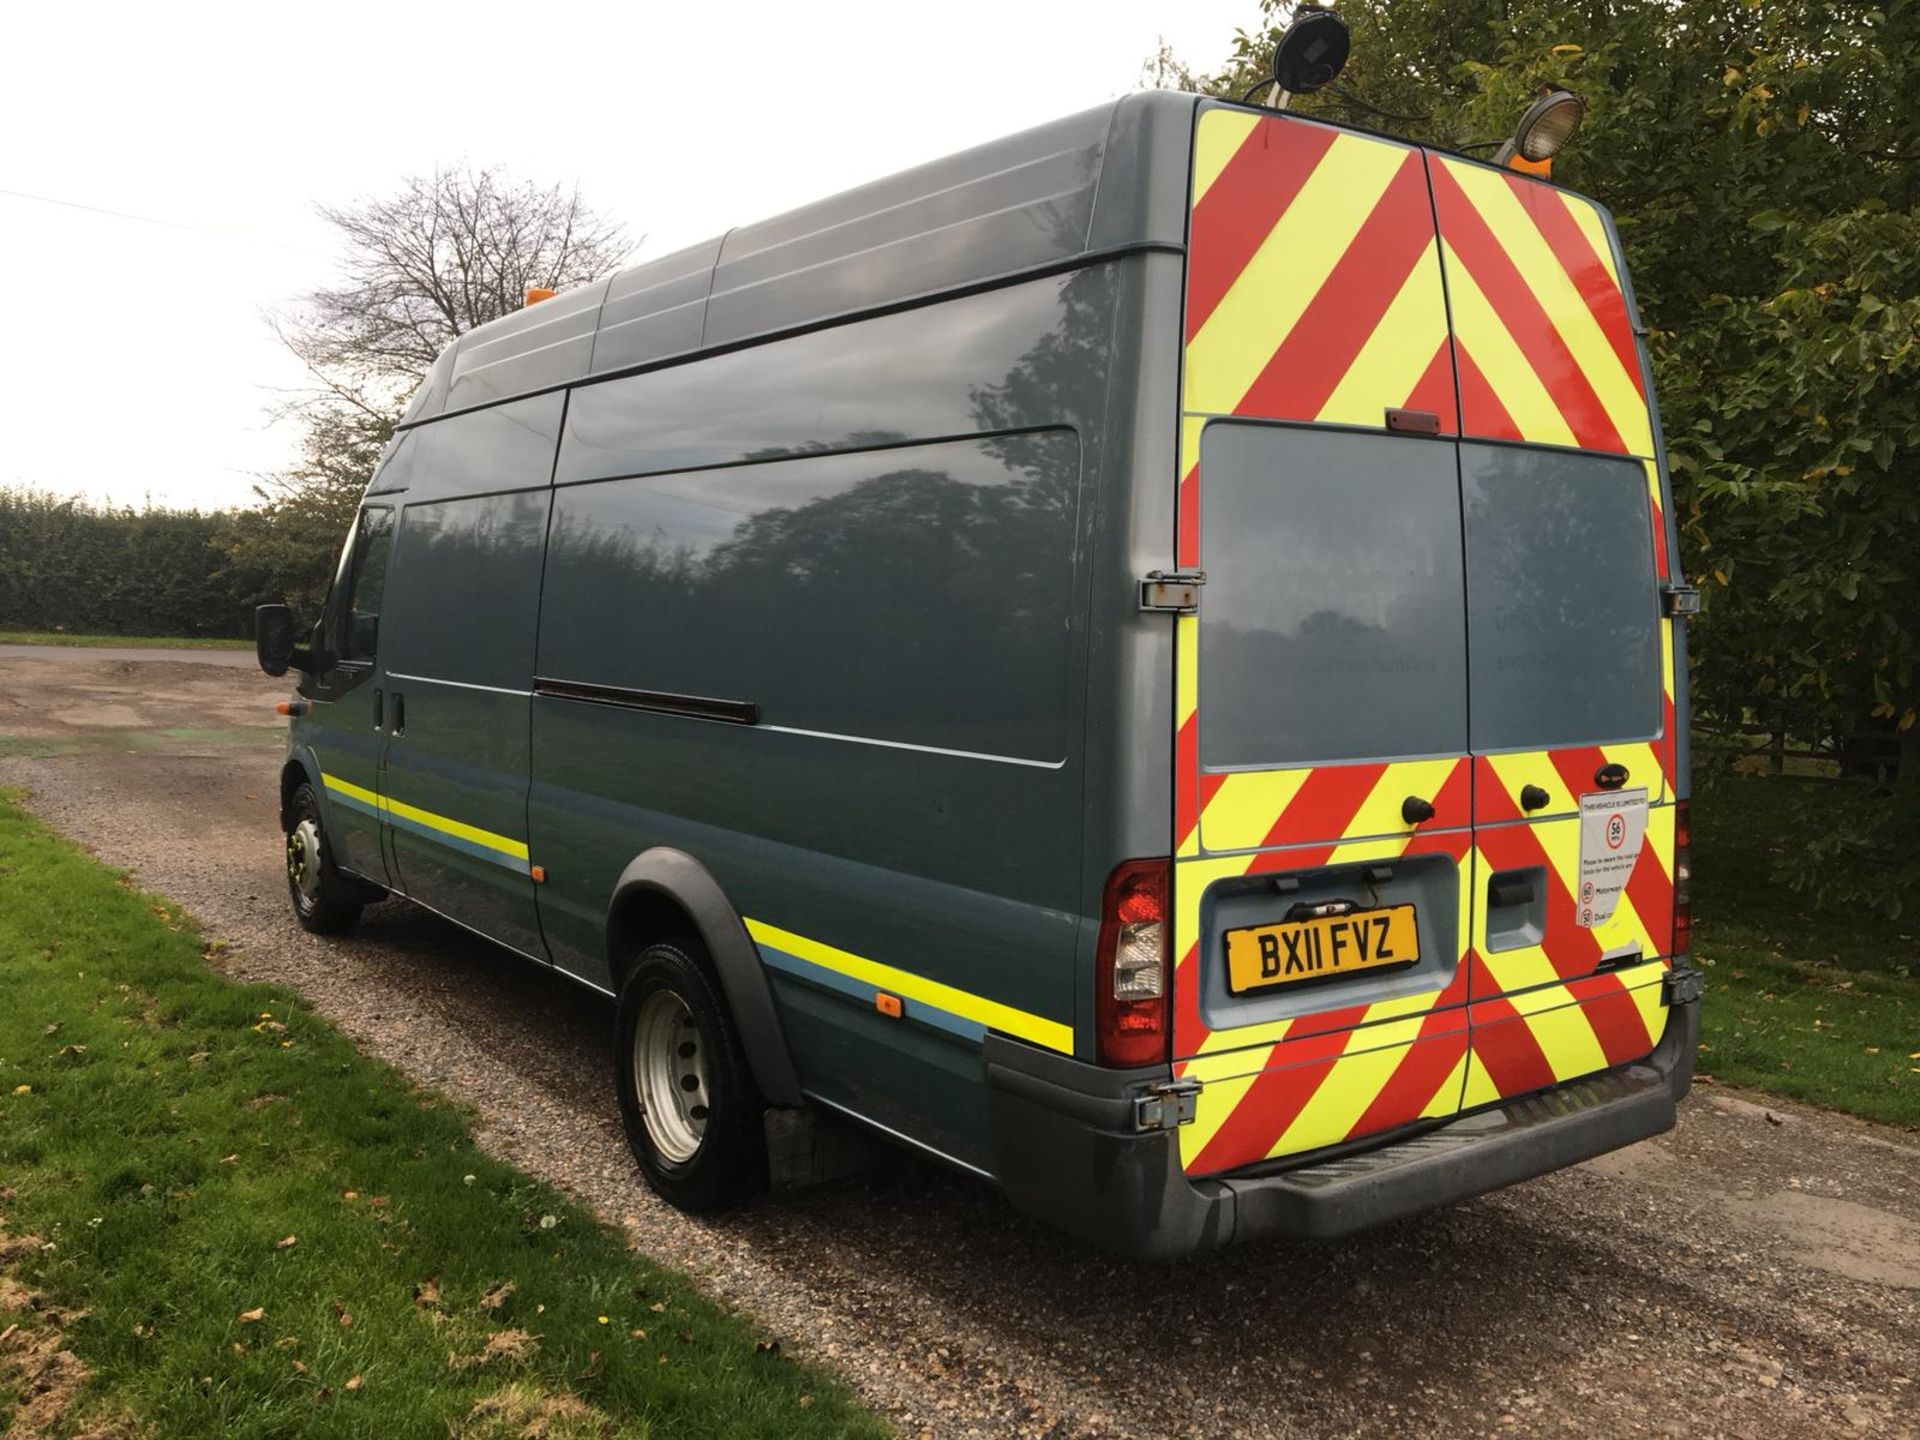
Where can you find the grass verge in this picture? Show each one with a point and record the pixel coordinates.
(218, 1218)
(121, 642)
(1818, 1004)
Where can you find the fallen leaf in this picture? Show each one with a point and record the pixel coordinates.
(658, 1307)
(767, 1347)
(229, 1159)
(253, 1316)
(286, 1242)
(53, 1029)
(23, 1089)
(349, 1195)
(298, 1368)
(806, 1402)
(344, 1315)
(354, 1383)
(636, 1334)
(497, 1296)
(198, 1056)
(427, 1293)
(73, 1050)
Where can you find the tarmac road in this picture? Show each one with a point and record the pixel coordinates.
(1755, 1273)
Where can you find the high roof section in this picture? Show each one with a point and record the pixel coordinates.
(1100, 182)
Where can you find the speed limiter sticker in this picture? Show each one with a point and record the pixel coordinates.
(1613, 826)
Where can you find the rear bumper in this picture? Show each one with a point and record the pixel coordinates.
(1066, 1150)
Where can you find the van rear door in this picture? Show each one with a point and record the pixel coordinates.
(1323, 849)
(1572, 670)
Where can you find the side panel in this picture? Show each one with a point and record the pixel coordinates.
(876, 536)
(459, 661)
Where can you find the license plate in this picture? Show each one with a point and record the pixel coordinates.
(1264, 957)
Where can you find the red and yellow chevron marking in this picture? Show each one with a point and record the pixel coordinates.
(1545, 347)
(1319, 290)
(1313, 276)
(1298, 1083)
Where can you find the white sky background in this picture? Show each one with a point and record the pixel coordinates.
(134, 360)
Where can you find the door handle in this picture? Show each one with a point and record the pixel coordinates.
(379, 708)
(399, 713)
(1416, 811)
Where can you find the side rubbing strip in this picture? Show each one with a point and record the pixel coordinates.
(951, 1009)
(658, 702)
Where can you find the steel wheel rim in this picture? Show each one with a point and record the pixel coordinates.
(670, 1076)
(303, 861)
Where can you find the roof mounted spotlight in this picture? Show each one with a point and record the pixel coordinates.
(1550, 122)
(1309, 55)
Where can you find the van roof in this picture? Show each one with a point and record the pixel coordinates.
(1103, 181)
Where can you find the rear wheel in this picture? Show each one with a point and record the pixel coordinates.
(688, 1101)
(324, 901)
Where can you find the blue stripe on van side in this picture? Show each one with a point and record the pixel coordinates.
(971, 1031)
(455, 842)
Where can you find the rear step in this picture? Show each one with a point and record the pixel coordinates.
(1463, 1158)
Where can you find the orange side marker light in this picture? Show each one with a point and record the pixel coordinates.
(537, 293)
(888, 1005)
(291, 707)
(539, 873)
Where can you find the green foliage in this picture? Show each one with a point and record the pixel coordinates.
(70, 564)
(248, 1227)
(1817, 1002)
(285, 548)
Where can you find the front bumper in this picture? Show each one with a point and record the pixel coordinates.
(1066, 1150)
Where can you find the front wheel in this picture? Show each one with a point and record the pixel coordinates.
(323, 899)
(687, 1099)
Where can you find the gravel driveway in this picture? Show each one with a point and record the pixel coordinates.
(1755, 1273)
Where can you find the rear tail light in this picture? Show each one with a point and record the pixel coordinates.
(1133, 974)
(1683, 878)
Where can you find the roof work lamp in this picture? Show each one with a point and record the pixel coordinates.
(1547, 126)
(1309, 55)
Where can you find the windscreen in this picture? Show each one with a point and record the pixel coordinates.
(1563, 619)
(1332, 625)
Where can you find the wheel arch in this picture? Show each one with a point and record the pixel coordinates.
(299, 767)
(665, 892)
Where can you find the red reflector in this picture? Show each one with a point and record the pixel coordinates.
(1683, 878)
(1133, 971)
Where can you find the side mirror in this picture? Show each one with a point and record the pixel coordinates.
(273, 641)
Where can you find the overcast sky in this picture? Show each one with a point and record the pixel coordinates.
(134, 360)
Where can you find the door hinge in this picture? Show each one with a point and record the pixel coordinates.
(1682, 985)
(1166, 1104)
(1679, 601)
(1172, 592)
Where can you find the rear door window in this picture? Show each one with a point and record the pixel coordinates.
(1563, 613)
(1332, 624)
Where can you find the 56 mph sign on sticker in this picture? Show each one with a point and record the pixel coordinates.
(1612, 828)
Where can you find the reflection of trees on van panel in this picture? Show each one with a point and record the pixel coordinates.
(1060, 380)
(1562, 633)
(924, 601)
(468, 572)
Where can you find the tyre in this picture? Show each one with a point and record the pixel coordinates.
(687, 1098)
(324, 901)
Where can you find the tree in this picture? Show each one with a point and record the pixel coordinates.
(1762, 158)
(423, 266)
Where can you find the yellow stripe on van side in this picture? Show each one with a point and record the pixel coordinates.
(473, 834)
(991, 1013)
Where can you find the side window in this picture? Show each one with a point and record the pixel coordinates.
(359, 614)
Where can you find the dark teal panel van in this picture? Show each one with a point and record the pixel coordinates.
(1142, 660)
